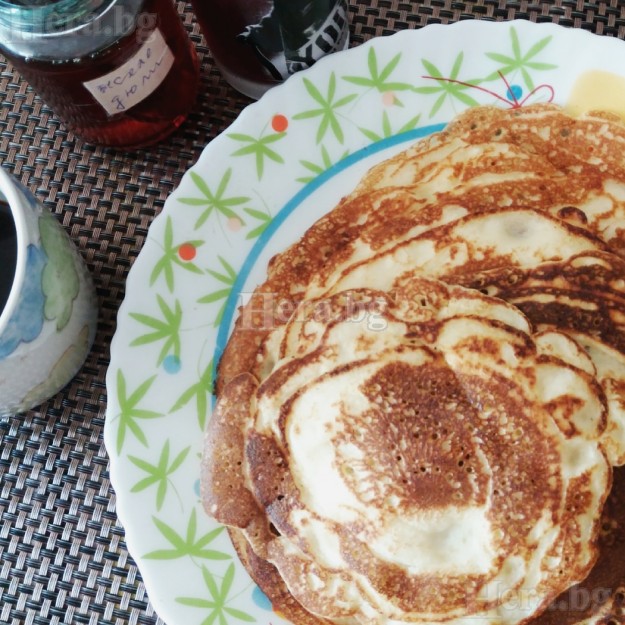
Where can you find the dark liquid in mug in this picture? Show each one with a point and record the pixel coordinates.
(8, 252)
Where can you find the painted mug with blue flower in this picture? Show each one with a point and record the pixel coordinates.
(48, 304)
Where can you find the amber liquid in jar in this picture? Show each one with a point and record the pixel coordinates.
(120, 115)
(252, 41)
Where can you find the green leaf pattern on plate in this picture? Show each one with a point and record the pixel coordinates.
(201, 392)
(159, 474)
(380, 79)
(327, 108)
(258, 148)
(189, 544)
(264, 217)
(131, 412)
(447, 86)
(225, 276)
(229, 205)
(216, 599)
(523, 62)
(175, 255)
(214, 202)
(165, 329)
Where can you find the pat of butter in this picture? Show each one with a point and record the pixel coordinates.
(597, 90)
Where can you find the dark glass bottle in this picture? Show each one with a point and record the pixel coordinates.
(259, 43)
(117, 72)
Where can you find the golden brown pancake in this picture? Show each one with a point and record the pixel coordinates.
(496, 238)
(584, 297)
(536, 157)
(358, 339)
(600, 598)
(470, 431)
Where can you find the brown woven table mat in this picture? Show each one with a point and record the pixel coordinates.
(63, 558)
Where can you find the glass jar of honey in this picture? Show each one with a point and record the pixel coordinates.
(257, 44)
(116, 72)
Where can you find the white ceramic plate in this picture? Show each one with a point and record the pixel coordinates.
(287, 160)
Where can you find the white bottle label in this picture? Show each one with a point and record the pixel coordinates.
(136, 79)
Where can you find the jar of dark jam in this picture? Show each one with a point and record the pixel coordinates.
(116, 72)
(257, 44)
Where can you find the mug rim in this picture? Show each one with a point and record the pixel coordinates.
(9, 189)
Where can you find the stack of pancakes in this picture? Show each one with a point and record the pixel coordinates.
(421, 413)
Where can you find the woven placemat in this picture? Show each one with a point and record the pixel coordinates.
(63, 558)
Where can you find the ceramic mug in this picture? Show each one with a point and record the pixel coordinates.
(48, 304)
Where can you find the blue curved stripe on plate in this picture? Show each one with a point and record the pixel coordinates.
(231, 304)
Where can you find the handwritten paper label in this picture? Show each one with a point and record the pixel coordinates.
(136, 79)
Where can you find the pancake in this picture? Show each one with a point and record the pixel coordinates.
(497, 238)
(600, 598)
(535, 157)
(467, 296)
(507, 237)
(538, 155)
(584, 297)
(339, 523)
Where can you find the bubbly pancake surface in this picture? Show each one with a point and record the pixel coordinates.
(442, 394)
(399, 449)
